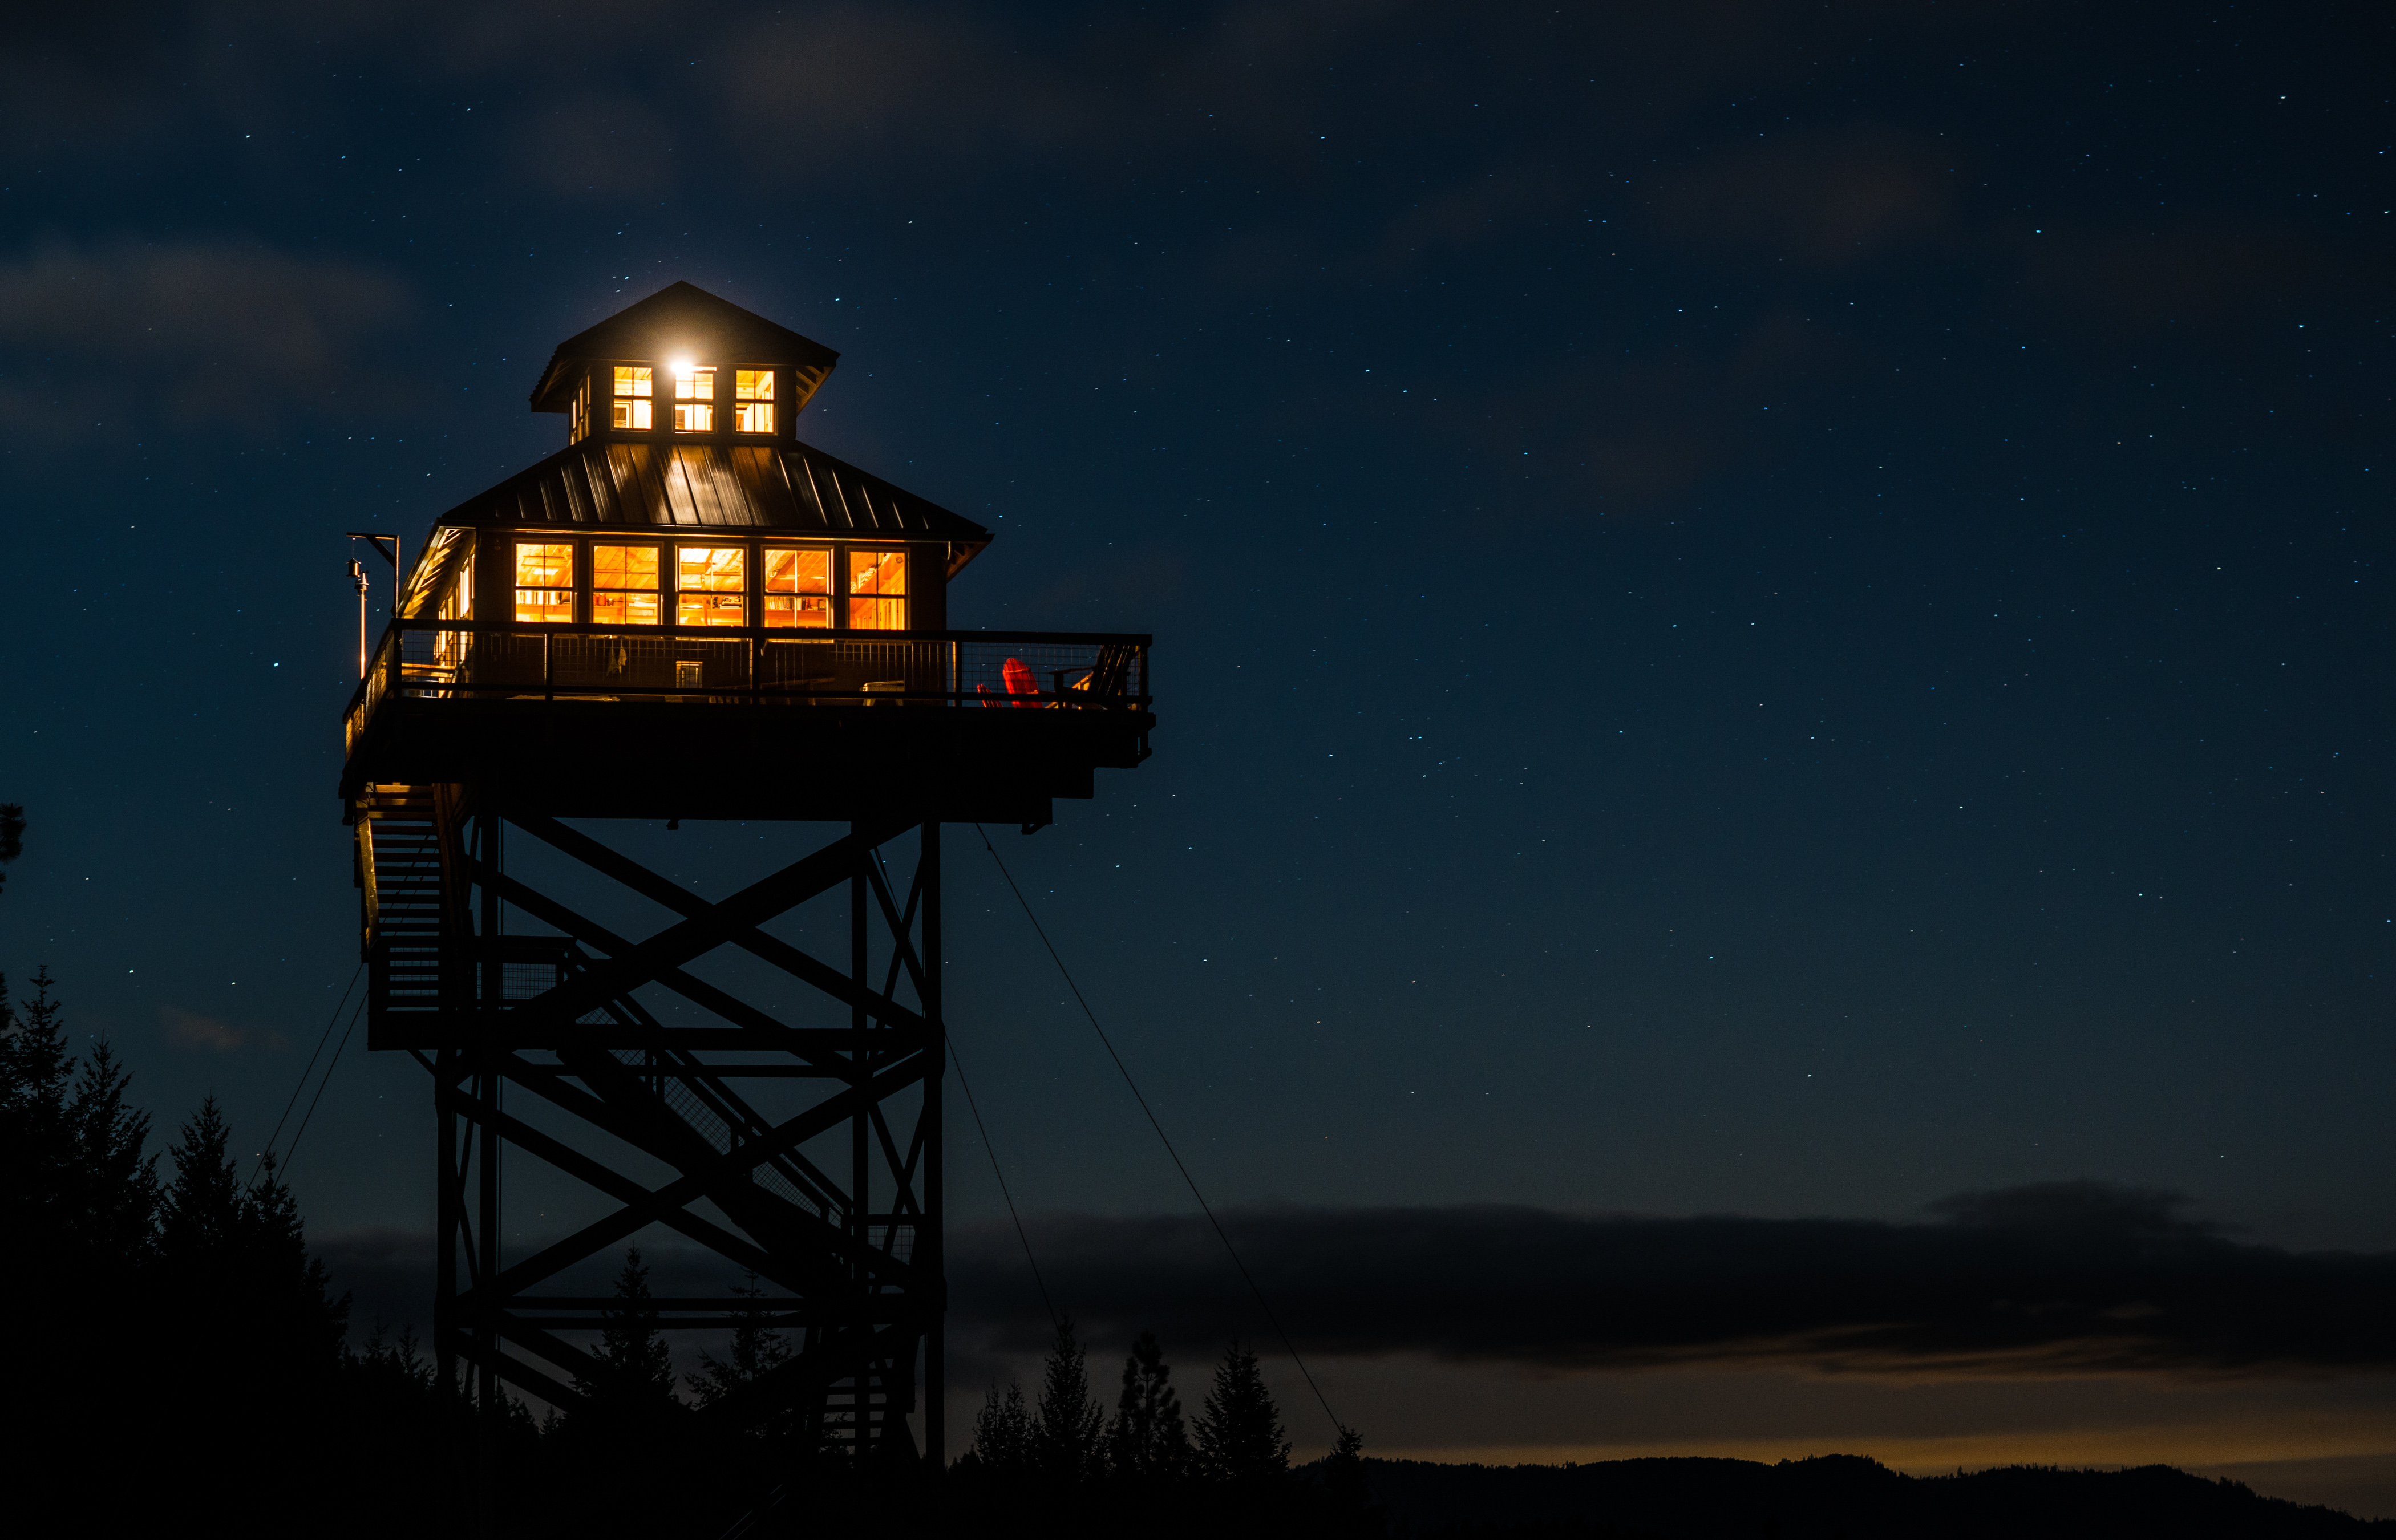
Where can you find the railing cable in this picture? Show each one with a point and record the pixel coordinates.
(327, 1037)
(991, 1150)
(1204, 1207)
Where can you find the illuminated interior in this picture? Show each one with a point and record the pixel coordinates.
(752, 401)
(578, 427)
(624, 585)
(710, 585)
(694, 398)
(797, 585)
(544, 582)
(634, 384)
(877, 589)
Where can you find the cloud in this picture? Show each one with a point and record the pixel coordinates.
(2061, 1278)
(205, 334)
(194, 1031)
(2058, 1280)
(1829, 200)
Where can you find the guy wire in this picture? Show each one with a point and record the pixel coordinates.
(326, 1036)
(330, 1065)
(1263, 1303)
(991, 1150)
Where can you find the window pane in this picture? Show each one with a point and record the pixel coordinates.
(624, 609)
(695, 400)
(634, 384)
(877, 615)
(753, 408)
(544, 582)
(798, 587)
(712, 569)
(614, 567)
(709, 581)
(800, 571)
(808, 610)
(544, 565)
(878, 572)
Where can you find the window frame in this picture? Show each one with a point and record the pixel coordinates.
(748, 590)
(572, 588)
(694, 402)
(582, 554)
(831, 595)
(770, 401)
(850, 598)
(631, 401)
(663, 547)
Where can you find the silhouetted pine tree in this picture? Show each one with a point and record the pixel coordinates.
(1344, 1497)
(79, 1201)
(621, 1449)
(634, 1378)
(1067, 1436)
(240, 1253)
(114, 1186)
(1240, 1440)
(1148, 1440)
(1001, 1434)
(78, 1186)
(756, 1348)
(257, 1347)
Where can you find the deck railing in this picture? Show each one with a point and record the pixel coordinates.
(495, 661)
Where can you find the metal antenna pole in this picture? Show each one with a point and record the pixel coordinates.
(358, 575)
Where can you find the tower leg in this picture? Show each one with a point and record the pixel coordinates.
(738, 1124)
(491, 1415)
(930, 1242)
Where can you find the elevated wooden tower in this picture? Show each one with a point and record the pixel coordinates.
(689, 614)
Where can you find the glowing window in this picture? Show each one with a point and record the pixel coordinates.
(877, 589)
(634, 384)
(694, 399)
(579, 429)
(544, 582)
(752, 403)
(624, 585)
(798, 588)
(710, 585)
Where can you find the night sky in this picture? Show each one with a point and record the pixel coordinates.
(1771, 647)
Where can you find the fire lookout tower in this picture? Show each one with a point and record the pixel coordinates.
(688, 613)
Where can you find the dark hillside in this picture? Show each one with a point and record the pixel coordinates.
(1834, 1497)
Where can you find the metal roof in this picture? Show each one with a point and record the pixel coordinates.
(787, 489)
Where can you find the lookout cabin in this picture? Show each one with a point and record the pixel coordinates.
(687, 612)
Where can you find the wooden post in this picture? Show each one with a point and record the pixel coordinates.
(929, 1249)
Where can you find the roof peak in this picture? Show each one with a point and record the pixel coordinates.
(682, 320)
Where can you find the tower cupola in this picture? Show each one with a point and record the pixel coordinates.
(682, 364)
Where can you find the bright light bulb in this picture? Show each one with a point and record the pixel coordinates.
(681, 367)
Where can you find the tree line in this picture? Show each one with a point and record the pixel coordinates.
(191, 1363)
(1225, 1469)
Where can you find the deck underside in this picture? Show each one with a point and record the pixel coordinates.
(692, 758)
